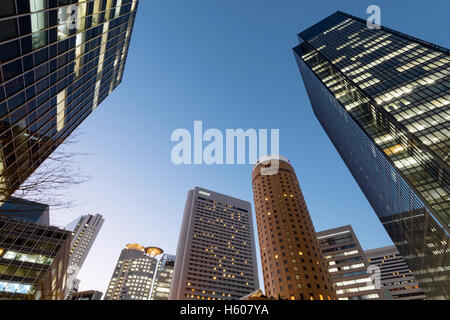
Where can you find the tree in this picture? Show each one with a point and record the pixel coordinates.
(49, 182)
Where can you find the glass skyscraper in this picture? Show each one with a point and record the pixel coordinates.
(383, 98)
(58, 61)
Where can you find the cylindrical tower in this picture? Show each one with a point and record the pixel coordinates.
(292, 263)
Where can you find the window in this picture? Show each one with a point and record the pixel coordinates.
(63, 16)
(37, 5)
(38, 24)
(96, 14)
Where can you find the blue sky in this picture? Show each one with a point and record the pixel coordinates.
(227, 63)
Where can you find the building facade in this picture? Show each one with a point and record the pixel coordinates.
(58, 61)
(216, 256)
(395, 274)
(132, 278)
(383, 99)
(347, 265)
(292, 263)
(33, 260)
(163, 278)
(26, 210)
(84, 232)
(86, 295)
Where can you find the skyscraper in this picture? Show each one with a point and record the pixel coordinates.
(347, 265)
(292, 263)
(163, 278)
(85, 231)
(33, 260)
(59, 60)
(216, 258)
(383, 99)
(395, 274)
(133, 276)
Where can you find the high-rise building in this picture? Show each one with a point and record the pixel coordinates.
(163, 278)
(86, 295)
(27, 211)
(84, 232)
(347, 265)
(216, 256)
(33, 260)
(396, 277)
(292, 263)
(58, 61)
(133, 276)
(383, 99)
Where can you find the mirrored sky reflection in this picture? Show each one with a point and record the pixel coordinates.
(229, 64)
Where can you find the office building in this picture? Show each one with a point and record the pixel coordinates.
(86, 295)
(216, 256)
(347, 265)
(163, 278)
(84, 232)
(33, 260)
(26, 211)
(383, 99)
(58, 61)
(292, 263)
(133, 276)
(396, 277)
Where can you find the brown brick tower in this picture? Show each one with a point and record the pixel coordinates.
(292, 263)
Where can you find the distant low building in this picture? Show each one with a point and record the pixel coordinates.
(26, 210)
(86, 295)
(256, 295)
(347, 265)
(396, 277)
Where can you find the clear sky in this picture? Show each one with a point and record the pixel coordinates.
(228, 63)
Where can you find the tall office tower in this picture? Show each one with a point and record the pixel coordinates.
(396, 277)
(84, 233)
(27, 211)
(163, 278)
(133, 276)
(216, 256)
(33, 260)
(58, 61)
(86, 295)
(383, 98)
(347, 265)
(293, 266)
